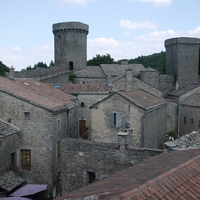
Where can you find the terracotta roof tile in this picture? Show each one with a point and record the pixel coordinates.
(142, 98)
(178, 177)
(40, 94)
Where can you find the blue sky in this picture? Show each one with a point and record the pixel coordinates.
(122, 28)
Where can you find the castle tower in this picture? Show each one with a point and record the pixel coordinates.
(70, 45)
(182, 60)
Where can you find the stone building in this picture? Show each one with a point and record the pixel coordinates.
(182, 60)
(70, 45)
(87, 95)
(9, 145)
(173, 175)
(94, 161)
(138, 114)
(44, 115)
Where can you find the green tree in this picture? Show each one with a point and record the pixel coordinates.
(39, 64)
(3, 69)
(104, 59)
(155, 61)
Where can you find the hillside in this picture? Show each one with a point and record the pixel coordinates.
(155, 61)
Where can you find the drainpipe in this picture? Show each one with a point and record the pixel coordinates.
(67, 123)
(178, 117)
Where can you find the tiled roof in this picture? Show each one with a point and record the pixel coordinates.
(118, 69)
(9, 181)
(7, 129)
(91, 71)
(85, 88)
(142, 98)
(174, 175)
(38, 93)
(192, 100)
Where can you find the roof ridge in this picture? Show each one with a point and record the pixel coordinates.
(158, 178)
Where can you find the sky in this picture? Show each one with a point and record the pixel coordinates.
(125, 29)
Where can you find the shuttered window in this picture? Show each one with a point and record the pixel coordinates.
(116, 119)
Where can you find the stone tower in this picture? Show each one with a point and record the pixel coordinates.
(182, 60)
(70, 45)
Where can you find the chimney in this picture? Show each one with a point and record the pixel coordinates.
(128, 79)
(122, 140)
(124, 62)
(12, 72)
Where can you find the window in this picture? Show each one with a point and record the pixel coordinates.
(26, 159)
(58, 148)
(116, 119)
(192, 121)
(91, 177)
(27, 115)
(82, 104)
(184, 121)
(71, 65)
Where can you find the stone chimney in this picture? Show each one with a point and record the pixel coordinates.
(128, 79)
(124, 62)
(122, 140)
(12, 72)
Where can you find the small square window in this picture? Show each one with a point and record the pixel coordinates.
(27, 115)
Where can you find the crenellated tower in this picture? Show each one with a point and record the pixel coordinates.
(70, 45)
(182, 60)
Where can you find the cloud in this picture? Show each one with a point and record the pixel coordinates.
(156, 2)
(150, 43)
(43, 53)
(137, 25)
(195, 32)
(159, 35)
(75, 2)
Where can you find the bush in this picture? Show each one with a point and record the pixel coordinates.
(172, 135)
(72, 78)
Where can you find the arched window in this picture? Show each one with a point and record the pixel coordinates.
(82, 104)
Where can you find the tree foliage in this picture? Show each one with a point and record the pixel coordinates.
(72, 78)
(40, 64)
(3, 69)
(155, 61)
(100, 59)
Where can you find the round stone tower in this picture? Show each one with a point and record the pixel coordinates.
(182, 60)
(70, 45)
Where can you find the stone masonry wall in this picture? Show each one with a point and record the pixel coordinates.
(39, 134)
(155, 127)
(80, 157)
(189, 119)
(8, 145)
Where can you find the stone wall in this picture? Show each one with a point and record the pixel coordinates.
(136, 84)
(189, 119)
(182, 60)
(84, 113)
(81, 157)
(70, 44)
(102, 126)
(40, 133)
(8, 145)
(154, 127)
(172, 116)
